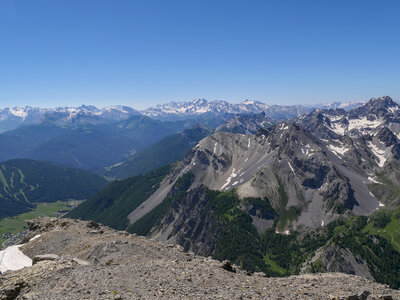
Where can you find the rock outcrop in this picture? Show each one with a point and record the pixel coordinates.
(116, 265)
(332, 258)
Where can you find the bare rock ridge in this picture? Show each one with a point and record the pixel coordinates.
(327, 163)
(85, 260)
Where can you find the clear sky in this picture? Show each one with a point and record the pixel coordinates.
(139, 53)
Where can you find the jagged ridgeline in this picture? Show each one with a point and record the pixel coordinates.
(319, 194)
(24, 183)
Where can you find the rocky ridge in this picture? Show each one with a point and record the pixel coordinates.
(84, 260)
(246, 124)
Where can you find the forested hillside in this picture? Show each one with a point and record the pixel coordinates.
(23, 183)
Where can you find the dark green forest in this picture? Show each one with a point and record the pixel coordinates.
(23, 183)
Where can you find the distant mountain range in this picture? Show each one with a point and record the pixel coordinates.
(209, 113)
(199, 107)
(89, 146)
(11, 118)
(104, 139)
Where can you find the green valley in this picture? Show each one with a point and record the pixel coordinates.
(18, 223)
(25, 183)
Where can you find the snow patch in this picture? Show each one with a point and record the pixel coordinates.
(291, 168)
(228, 181)
(13, 259)
(338, 150)
(372, 180)
(338, 128)
(359, 124)
(380, 154)
(35, 237)
(362, 123)
(19, 112)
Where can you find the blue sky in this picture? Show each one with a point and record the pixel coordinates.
(139, 53)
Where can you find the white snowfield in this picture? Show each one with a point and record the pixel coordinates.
(338, 150)
(361, 124)
(13, 259)
(380, 154)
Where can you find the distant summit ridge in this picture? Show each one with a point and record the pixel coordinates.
(197, 107)
(11, 118)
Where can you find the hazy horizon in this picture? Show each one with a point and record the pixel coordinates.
(147, 107)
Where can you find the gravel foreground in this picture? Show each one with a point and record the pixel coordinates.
(84, 260)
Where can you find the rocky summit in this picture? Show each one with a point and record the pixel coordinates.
(75, 259)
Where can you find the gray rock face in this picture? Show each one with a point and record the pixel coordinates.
(246, 124)
(286, 164)
(131, 267)
(332, 258)
(186, 224)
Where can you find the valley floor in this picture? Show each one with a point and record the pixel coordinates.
(95, 262)
(14, 225)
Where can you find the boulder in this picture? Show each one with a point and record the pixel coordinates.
(44, 257)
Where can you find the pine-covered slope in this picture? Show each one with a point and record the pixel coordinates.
(112, 205)
(23, 183)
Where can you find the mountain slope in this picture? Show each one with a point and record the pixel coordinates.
(26, 182)
(168, 150)
(223, 225)
(365, 138)
(86, 146)
(269, 201)
(112, 205)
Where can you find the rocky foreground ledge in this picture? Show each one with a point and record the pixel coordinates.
(84, 260)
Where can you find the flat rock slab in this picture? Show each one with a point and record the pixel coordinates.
(38, 258)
